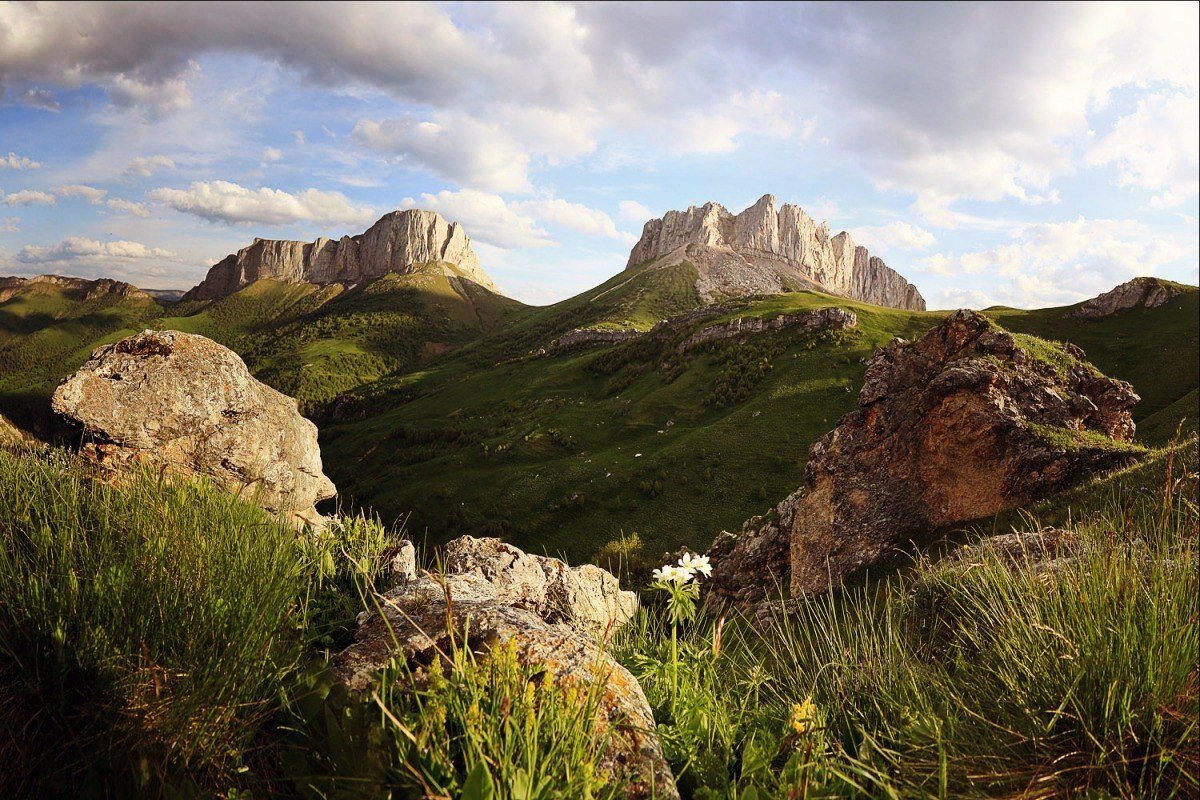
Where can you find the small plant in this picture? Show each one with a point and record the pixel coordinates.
(680, 582)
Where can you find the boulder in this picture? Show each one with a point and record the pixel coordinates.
(749, 565)
(1140, 292)
(185, 404)
(967, 421)
(492, 594)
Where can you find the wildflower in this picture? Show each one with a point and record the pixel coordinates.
(696, 563)
(804, 716)
(669, 573)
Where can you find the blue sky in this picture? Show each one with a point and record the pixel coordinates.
(1019, 154)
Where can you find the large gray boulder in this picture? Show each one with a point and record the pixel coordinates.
(183, 403)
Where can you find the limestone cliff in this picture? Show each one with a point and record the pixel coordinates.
(396, 243)
(766, 249)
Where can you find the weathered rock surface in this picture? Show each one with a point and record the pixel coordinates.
(960, 424)
(82, 288)
(178, 401)
(1139, 292)
(750, 565)
(766, 250)
(818, 319)
(398, 242)
(588, 336)
(549, 612)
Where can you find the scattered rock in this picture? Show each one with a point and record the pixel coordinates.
(398, 242)
(1044, 548)
(588, 336)
(1139, 292)
(767, 250)
(961, 424)
(750, 565)
(550, 612)
(181, 402)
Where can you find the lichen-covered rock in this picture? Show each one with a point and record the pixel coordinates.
(490, 594)
(767, 249)
(182, 402)
(586, 596)
(398, 242)
(1140, 292)
(749, 565)
(967, 421)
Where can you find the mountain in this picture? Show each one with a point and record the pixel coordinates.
(398, 242)
(767, 250)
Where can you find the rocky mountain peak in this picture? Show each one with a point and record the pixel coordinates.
(768, 248)
(398, 242)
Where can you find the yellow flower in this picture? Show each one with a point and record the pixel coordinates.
(804, 716)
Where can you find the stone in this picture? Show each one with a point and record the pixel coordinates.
(766, 250)
(183, 403)
(398, 242)
(961, 424)
(1137, 293)
(752, 564)
(489, 594)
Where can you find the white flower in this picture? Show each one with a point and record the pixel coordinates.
(669, 573)
(696, 563)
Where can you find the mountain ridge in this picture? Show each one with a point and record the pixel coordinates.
(767, 249)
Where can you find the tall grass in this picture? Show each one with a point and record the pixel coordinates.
(977, 677)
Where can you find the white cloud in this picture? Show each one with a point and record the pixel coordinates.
(223, 201)
(893, 236)
(272, 154)
(92, 194)
(145, 166)
(78, 247)
(576, 217)
(485, 217)
(152, 97)
(459, 149)
(1157, 147)
(30, 197)
(129, 207)
(14, 161)
(633, 211)
(10, 225)
(42, 99)
(1062, 262)
(298, 136)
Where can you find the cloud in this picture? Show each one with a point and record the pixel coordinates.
(92, 194)
(145, 166)
(633, 211)
(128, 206)
(10, 225)
(222, 201)
(272, 154)
(1062, 262)
(14, 161)
(485, 217)
(1157, 147)
(576, 217)
(30, 197)
(41, 99)
(894, 236)
(460, 149)
(298, 136)
(78, 247)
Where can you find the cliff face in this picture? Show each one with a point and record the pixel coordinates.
(81, 288)
(764, 247)
(395, 243)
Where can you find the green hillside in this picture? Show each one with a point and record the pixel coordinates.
(307, 341)
(567, 452)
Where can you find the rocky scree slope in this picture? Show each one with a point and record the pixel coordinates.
(768, 249)
(396, 243)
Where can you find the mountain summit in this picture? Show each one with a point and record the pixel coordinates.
(767, 249)
(398, 242)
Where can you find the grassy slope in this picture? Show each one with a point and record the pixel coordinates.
(307, 341)
(544, 451)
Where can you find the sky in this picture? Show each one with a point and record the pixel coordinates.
(1020, 154)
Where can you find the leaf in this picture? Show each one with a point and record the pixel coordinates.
(478, 785)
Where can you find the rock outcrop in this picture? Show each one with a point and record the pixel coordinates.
(551, 614)
(967, 421)
(181, 402)
(752, 564)
(398, 242)
(818, 319)
(1136, 293)
(80, 288)
(766, 250)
